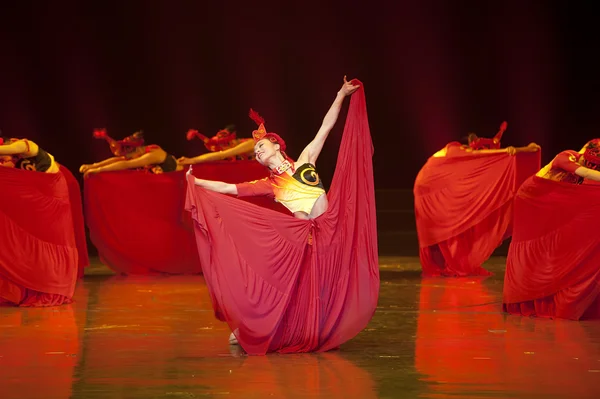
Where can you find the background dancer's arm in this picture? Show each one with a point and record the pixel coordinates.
(86, 167)
(28, 148)
(510, 150)
(245, 147)
(151, 158)
(313, 150)
(587, 173)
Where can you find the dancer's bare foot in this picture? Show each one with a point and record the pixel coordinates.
(233, 340)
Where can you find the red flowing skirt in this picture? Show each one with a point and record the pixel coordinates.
(39, 260)
(137, 222)
(553, 265)
(289, 285)
(78, 222)
(463, 209)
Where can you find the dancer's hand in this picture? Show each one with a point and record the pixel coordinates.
(348, 88)
(189, 171)
(534, 147)
(84, 168)
(88, 172)
(511, 150)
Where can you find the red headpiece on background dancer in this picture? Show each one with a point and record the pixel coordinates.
(592, 152)
(493, 143)
(121, 147)
(219, 142)
(8, 140)
(6, 158)
(261, 132)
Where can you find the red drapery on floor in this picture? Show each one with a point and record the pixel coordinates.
(39, 258)
(553, 266)
(268, 281)
(137, 222)
(463, 209)
(78, 223)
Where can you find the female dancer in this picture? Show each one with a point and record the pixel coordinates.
(27, 155)
(552, 266)
(285, 284)
(131, 153)
(41, 252)
(482, 145)
(573, 167)
(223, 145)
(295, 184)
(463, 203)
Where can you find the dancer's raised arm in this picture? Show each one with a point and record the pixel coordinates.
(313, 149)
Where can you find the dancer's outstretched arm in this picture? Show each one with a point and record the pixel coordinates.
(85, 167)
(313, 150)
(218, 186)
(26, 147)
(151, 158)
(532, 147)
(588, 173)
(245, 147)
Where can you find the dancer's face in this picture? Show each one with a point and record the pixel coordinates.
(265, 150)
(133, 152)
(7, 161)
(471, 138)
(588, 164)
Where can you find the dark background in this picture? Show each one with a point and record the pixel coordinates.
(432, 70)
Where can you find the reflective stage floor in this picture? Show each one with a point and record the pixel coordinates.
(156, 337)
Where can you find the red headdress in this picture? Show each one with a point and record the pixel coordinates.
(121, 147)
(261, 132)
(592, 152)
(219, 142)
(484, 143)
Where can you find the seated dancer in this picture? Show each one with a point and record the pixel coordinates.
(552, 266)
(286, 284)
(573, 167)
(481, 145)
(27, 155)
(463, 197)
(131, 153)
(223, 145)
(39, 256)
